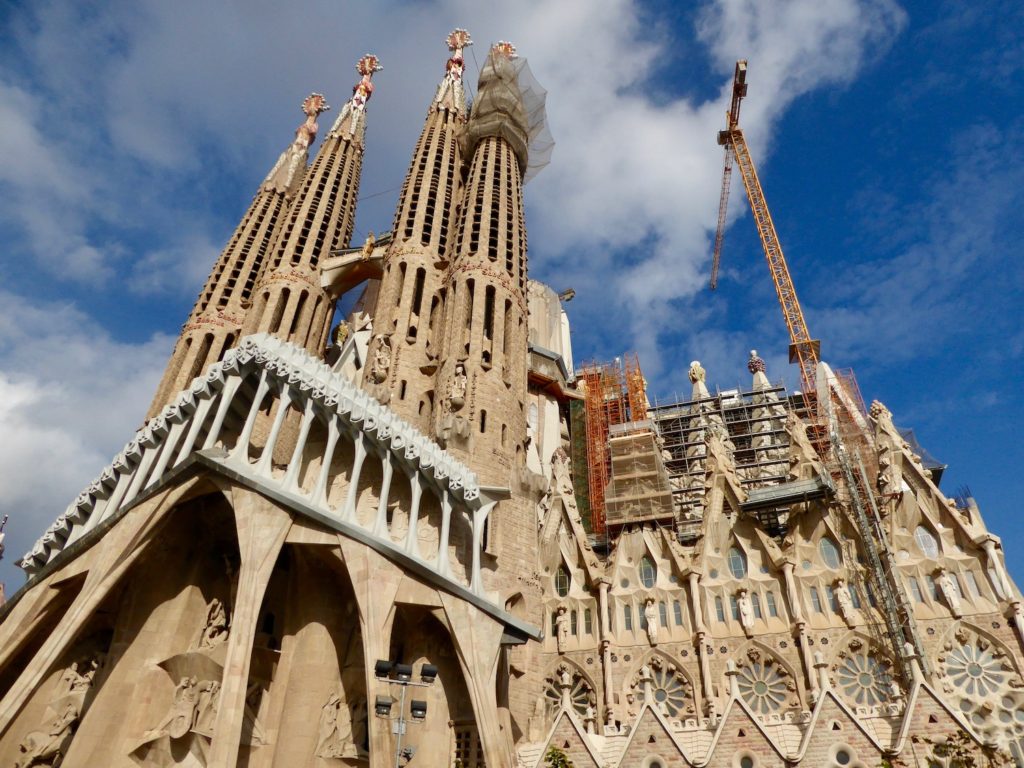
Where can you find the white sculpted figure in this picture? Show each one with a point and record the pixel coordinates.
(746, 611)
(696, 372)
(846, 609)
(562, 627)
(381, 360)
(48, 745)
(651, 618)
(181, 717)
(949, 592)
(457, 396)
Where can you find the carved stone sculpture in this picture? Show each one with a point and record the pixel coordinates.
(562, 627)
(368, 246)
(949, 592)
(381, 359)
(335, 734)
(746, 611)
(651, 618)
(181, 716)
(48, 745)
(207, 702)
(696, 372)
(457, 390)
(846, 609)
(215, 630)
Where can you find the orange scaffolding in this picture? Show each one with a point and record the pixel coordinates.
(615, 394)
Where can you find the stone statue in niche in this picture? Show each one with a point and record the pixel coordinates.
(949, 591)
(78, 677)
(215, 631)
(562, 629)
(846, 609)
(181, 716)
(335, 732)
(206, 706)
(457, 389)
(381, 359)
(341, 333)
(651, 619)
(48, 745)
(746, 611)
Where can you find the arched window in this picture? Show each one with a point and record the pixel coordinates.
(562, 581)
(773, 610)
(719, 610)
(647, 572)
(588, 621)
(926, 541)
(627, 617)
(830, 553)
(737, 563)
(663, 614)
(816, 600)
(755, 603)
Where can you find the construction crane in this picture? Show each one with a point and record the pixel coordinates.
(844, 456)
(802, 348)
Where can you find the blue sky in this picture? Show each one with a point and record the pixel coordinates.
(886, 135)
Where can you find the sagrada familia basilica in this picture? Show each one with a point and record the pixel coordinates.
(423, 537)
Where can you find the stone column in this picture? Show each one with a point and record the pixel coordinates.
(262, 528)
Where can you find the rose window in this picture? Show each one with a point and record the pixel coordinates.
(863, 680)
(975, 671)
(762, 686)
(579, 694)
(671, 692)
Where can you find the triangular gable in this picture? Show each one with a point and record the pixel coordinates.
(928, 717)
(833, 723)
(740, 732)
(652, 735)
(568, 735)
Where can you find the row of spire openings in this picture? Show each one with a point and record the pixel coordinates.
(442, 146)
(330, 170)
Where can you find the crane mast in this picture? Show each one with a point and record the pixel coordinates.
(844, 457)
(802, 348)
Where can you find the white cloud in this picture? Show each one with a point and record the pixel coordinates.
(70, 397)
(122, 120)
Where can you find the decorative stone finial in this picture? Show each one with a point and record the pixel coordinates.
(696, 372)
(312, 106)
(353, 112)
(505, 48)
(458, 39)
(755, 364)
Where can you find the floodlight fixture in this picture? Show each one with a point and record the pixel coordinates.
(382, 706)
(428, 673)
(382, 668)
(403, 672)
(418, 709)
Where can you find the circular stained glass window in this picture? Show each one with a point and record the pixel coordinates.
(863, 681)
(670, 691)
(762, 687)
(975, 671)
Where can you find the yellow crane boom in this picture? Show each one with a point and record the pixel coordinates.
(802, 348)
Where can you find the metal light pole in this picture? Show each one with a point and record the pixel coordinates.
(394, 673)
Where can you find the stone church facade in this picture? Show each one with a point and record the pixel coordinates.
(303, 503)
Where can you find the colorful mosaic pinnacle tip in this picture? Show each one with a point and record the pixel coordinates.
(458, 39)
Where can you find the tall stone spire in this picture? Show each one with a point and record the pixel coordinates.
(481, 384)
(410, 301)
(214, 325)
(289, 302)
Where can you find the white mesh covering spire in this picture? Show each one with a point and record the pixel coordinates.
(535, 97)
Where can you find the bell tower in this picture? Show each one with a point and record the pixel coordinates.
(289, 302)
(410, 302)
(481, 382)
(216, 320)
